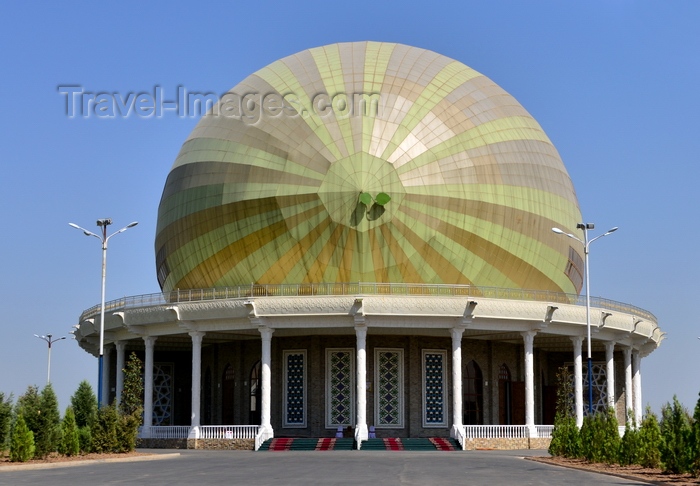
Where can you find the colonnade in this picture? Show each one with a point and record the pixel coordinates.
(631, 358)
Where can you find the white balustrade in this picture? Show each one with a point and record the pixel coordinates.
(205, 432)
(228, 431)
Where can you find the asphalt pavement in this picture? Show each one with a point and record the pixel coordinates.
(247, 468)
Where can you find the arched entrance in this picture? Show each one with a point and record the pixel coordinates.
(505, 396)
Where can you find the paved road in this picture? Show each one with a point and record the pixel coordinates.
(247, 468)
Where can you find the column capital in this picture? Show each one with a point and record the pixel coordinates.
(529, 336)
(266, 332)
(577, 340)
(610, 345)
(150, 341)
(197, 336)
(120, 346)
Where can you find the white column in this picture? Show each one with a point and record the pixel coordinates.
(121, 348)
(105, 374)
(265, 386)
(637, 384)
(610, 373)
(578, 379)
(529, 340)
(361, 432)
(150, 342)
(627, 353)
(457, 382)
(197, 337)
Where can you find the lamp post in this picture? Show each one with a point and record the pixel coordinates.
(586, 244)
(102, 223)
(50, 341)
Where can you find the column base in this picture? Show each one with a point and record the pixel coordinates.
(361, 433)
(456, 431)
(194, 432)
(265, 432)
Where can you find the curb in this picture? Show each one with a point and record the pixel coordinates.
(614, 474)
(54, 465)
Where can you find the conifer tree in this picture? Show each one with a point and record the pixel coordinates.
(105, 430)
(676, 436)
(629, 445)
(28, 405)
(5, 419)
(565, 436)
(696, 439)
(22, 443)
(70, 442)
(48, 432)
(649, 441)
(84, 404)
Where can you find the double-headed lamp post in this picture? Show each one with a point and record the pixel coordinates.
(50, 341)
(586, 244)
(102, 223)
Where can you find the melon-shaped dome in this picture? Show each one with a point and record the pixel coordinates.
(367, 162)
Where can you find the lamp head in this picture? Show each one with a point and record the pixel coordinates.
(104, 222)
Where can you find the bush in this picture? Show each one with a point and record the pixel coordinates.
(85, 439)
(629, 445)
(649, 441)
(676, 438)
(5, 418)
(600, 440)
(22, 443)
(132, 395)
(565, 436)
(696, 440)
(70, 442)
(127, 433)
(104, 430)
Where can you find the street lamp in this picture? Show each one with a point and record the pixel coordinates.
(102, 223)
(586, 244)
(50, 341)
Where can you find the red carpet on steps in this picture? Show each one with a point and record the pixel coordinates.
(442, 444)
(393, 444)
(281, 444)
(325, 444)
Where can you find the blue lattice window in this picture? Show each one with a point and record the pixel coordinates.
(163, 394)
(600, 386)
(434, 395)
(340, 387)
(389, 389)
(294, 388)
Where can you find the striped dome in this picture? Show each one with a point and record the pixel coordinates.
(370, 162)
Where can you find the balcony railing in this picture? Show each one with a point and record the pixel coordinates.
(359, 288)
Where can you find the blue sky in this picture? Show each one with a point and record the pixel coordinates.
(613, 83)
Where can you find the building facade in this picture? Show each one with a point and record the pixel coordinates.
(357, 239)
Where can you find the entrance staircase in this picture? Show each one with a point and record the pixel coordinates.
(386, 444)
